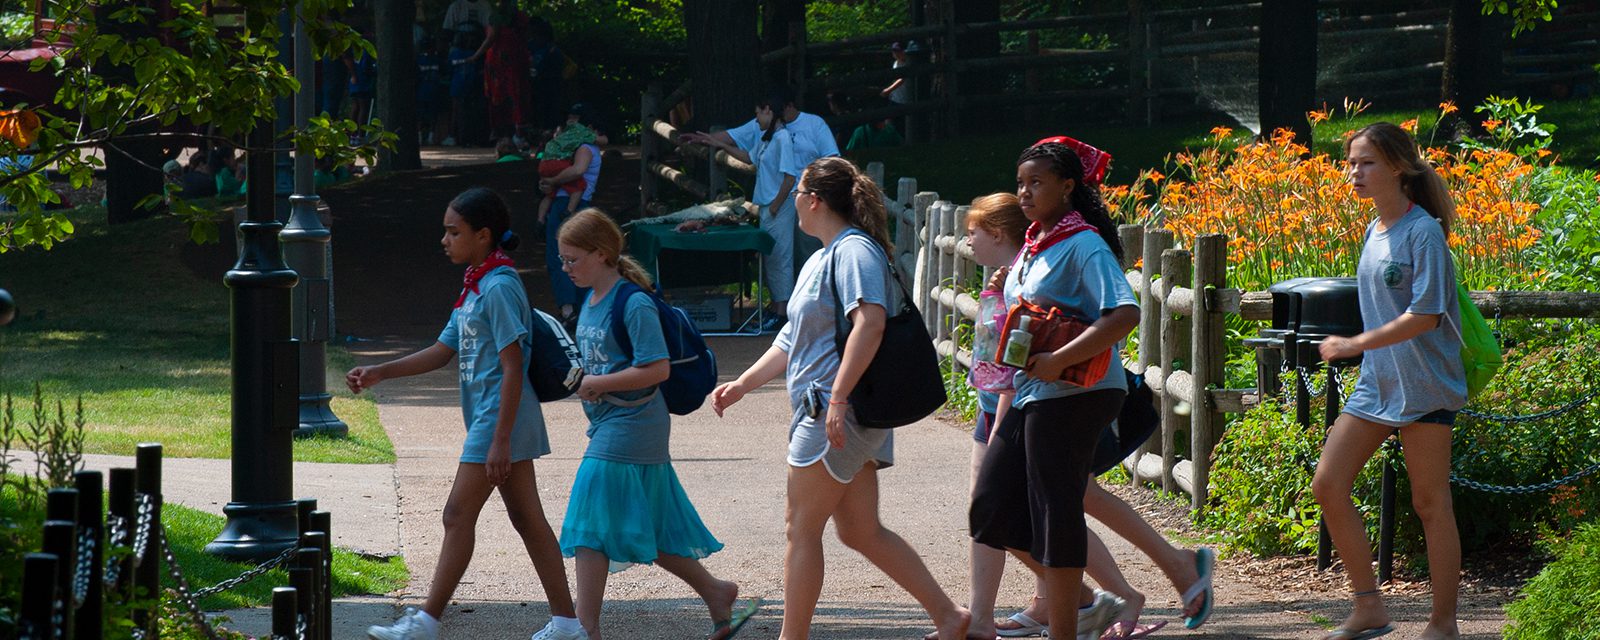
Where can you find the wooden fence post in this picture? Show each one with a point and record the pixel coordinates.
(939, 222)
(1152, 307)
(921, 209)
(1175, 270)
(1132, 238)
(649, 107)
(875, 173)
(1206, 364)
(961, 274)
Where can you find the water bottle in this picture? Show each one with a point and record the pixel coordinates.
(1019, 345)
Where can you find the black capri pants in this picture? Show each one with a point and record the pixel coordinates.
(1029, 493)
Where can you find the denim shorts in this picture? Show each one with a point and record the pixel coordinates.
(985, 425)
(1445, 417)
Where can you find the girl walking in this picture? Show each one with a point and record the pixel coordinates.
(489, 332)
(627, 506)
(1412, 380)
(1029, 494)
(833, 463)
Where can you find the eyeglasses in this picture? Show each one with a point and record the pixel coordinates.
(567, 262)
(798, 192)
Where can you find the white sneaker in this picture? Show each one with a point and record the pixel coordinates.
(1094, 621)
(549, 632)
(410, 626)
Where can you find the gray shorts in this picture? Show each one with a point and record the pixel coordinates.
(808, 443)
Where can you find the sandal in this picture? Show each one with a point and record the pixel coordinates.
(1130, 630)
(1342, 633)
(1026, 627)
(726, 629)
(1204, 561)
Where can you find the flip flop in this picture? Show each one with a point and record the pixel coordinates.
(1204, 561)
(1130, 630)
(1028, 627)
(1342, 633)
(726, 629)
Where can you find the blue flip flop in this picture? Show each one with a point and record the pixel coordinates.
(736, 623)
(1204, 561)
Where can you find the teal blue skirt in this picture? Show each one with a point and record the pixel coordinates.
(632, 513)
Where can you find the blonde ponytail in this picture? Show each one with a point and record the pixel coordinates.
(634, 272)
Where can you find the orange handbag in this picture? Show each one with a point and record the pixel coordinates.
(1052, 329)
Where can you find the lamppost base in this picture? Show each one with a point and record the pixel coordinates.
(256, 532)
(316, 418)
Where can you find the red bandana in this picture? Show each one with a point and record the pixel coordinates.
(469, 282)
(1095, 161)
(1035, 242)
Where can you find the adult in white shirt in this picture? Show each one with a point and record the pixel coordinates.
(467, 14)
(898, 91)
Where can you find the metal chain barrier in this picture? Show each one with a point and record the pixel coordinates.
(1533, 417)
(143, 527)
(1310, 376)
(117, 528)
(248, 575)
(190, 601)
(80, 574)
(1526, 489)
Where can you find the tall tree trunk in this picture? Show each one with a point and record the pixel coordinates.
(973, 46)
(1288, 66)
(776, 18)
(397, 82)
(133, 165)
(724, 61)
(1473, 67)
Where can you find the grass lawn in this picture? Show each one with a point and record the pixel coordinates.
(960, 170)
(189, 531)
(116, 315)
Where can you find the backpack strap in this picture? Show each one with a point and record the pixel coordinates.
(626, 289)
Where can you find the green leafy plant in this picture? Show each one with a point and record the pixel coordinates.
(1559, 603)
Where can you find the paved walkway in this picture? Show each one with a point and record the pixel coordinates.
(734, 470)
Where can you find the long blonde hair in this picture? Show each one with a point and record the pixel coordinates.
(592, 230)
(1418, 180)
(1000, 214)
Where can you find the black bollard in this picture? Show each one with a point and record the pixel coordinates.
(284, 620)
(61, 504)
(147, 567)
(303, 577)
(323, 629)
(322, 521)
(90, 621)
(1386, 512)
(38, 595)
(121, 506)
(61, 541)
(303, 509)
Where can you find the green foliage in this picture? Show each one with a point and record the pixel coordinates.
(1525, 14)
(15, 28)
(1261, 479)
(829, 21)
(124, 72)
(1551, 366)
(1559, 603)
(1569, 253)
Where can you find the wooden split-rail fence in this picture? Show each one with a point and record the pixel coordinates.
(1181, 348)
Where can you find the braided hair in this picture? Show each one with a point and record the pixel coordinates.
(1085, 197)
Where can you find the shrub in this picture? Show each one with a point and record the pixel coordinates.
(1559, 603)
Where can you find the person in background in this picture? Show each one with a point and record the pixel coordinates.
(586, 167)
(505, 57)
(899, 91)
(228, 171)
(466, 85)
(198, 181)
(430, 88)
(506, 151)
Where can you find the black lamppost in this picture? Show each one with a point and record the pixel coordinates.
(306, 246)
(266, 387)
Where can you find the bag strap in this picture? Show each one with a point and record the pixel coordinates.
(839, 319)
(626, 289)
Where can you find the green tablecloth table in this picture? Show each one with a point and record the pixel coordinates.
(713, 256)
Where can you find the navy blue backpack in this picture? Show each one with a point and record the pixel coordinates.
(694, 366)
(554, 369)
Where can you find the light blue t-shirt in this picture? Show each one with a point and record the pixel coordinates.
(1081, 277)
(488, 321)
(591, 175)
(1407, 269)
(635, 435)
(772, 163)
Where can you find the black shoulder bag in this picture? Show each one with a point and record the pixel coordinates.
(903, 383)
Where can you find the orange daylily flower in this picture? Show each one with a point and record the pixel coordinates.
(20, 127)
